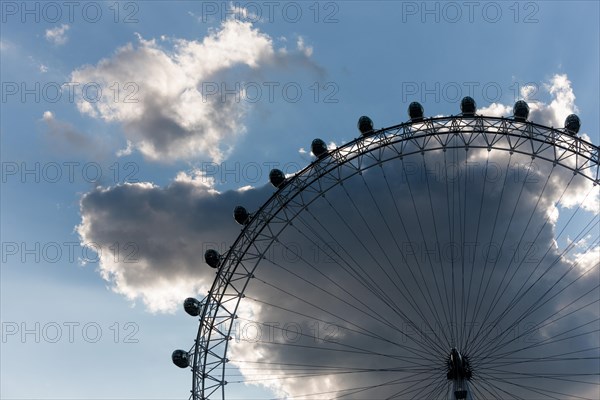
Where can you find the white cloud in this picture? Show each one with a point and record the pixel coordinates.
(245, 188)
(550, 114)
(307, 50)
(527, 91)
(58, 35)
(179, 109)
(588, 259)
(244, 14)
(496, 110)
(126, 151)
(47, 116)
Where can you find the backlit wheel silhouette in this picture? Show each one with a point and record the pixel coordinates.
(446, 258)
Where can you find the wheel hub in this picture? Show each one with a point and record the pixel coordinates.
(458, 366)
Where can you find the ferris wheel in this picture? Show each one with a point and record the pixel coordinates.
(449, 257)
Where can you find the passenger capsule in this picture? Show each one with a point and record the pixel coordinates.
(181, 358)
(319, 148)
(572, 124)
(192, 306)
(521, 110)
(415, 111)
(241, 215)
(468, 106)
(212, 258)
(460, 394)
(277, 177)
(365, 125)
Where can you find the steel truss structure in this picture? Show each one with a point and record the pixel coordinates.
(208, 355)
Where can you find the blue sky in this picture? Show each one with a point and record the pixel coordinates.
(327, 62)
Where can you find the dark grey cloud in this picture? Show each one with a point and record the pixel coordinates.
(162, 234)
(408, 254)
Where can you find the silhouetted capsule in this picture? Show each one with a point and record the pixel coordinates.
(192, 306)
(468, 106)
(241, 215)
(365, 125)
(277, 177)
(415, 111)
(460, 394)
(521, 110)
(212, 258)
(319, 148)
(572, 124)
(181, 358)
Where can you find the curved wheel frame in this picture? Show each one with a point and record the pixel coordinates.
(239, 263)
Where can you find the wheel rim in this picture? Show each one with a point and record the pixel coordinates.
(494, 355)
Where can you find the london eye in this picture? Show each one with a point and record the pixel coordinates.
(448, 257)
